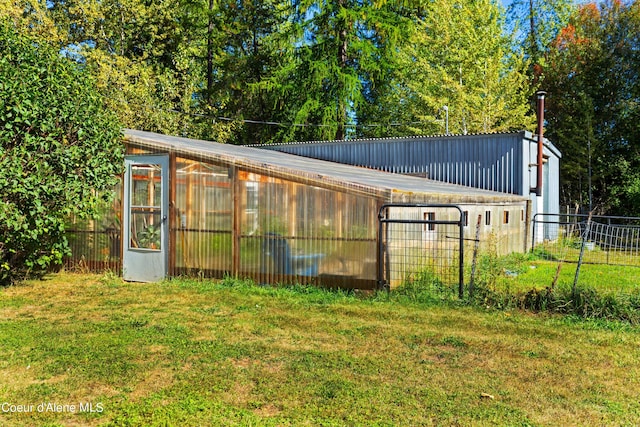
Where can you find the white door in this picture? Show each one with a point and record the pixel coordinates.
(145, 224)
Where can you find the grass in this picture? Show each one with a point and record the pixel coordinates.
(524, 281)
(521, 272)
(191, 353)
(569, 249)
(610, 278)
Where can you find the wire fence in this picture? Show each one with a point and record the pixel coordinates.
(610, 240)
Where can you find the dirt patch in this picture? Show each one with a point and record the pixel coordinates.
(268, 410)
(154, 381)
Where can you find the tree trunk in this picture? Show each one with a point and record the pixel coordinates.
(210, 54)
(341, 116)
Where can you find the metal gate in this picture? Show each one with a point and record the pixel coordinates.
(423, 244)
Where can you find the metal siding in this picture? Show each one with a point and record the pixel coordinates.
(489, 161)
(554, 190)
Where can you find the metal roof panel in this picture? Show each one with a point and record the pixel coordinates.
(319, 172)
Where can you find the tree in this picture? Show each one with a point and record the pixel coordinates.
(536, 24)
(249, 45)
(458, 57)
(147, 58)
(342, 52)
(593, 77)
(32, 15)
(60, 150)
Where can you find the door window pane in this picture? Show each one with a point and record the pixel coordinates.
(145, 216)
(145, 185)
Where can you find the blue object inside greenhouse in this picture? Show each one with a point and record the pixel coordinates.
(276, 249)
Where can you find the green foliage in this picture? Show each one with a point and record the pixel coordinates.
(145, 56)
(248, 43)
(33, 16)
(59, 149)
(586, 302)
(536, 24)
(149, 237)
(503, 283)
(424, 286)
(458, 57)
(276, 71)
(350, 52)
(343, 52)
(592, 75)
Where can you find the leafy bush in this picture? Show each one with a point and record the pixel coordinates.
(59, 150)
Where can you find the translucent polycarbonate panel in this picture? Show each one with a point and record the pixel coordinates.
(293, 229)
(203, 196)
(95, 243)
(136, 150)
(203, 253)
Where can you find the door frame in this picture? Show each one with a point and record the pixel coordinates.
(145, 264)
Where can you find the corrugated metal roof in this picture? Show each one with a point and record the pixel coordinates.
(395, 138)
(321, 173)
(493, 161)
(419, 138)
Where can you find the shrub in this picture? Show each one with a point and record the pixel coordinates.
(59, 150)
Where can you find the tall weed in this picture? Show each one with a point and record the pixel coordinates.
(493, 289)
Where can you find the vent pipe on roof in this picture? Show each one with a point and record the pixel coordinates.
(539, 161)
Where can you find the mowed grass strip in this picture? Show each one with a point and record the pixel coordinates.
(190, 353)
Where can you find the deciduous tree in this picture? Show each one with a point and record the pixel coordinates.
(536, 23)
(459, 57)
(59, 150)
(593, 77)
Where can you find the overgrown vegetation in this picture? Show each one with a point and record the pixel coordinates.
(611, 293)
(526, 282)
(191, 353)
(281, 71)
(59, 149)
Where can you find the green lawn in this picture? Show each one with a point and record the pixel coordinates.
(190, 353)
(519, 272)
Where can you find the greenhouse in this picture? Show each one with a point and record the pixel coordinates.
(199, 208)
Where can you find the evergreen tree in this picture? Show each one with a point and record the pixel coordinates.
(245, 71)
(250, 43)
(343, 51)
